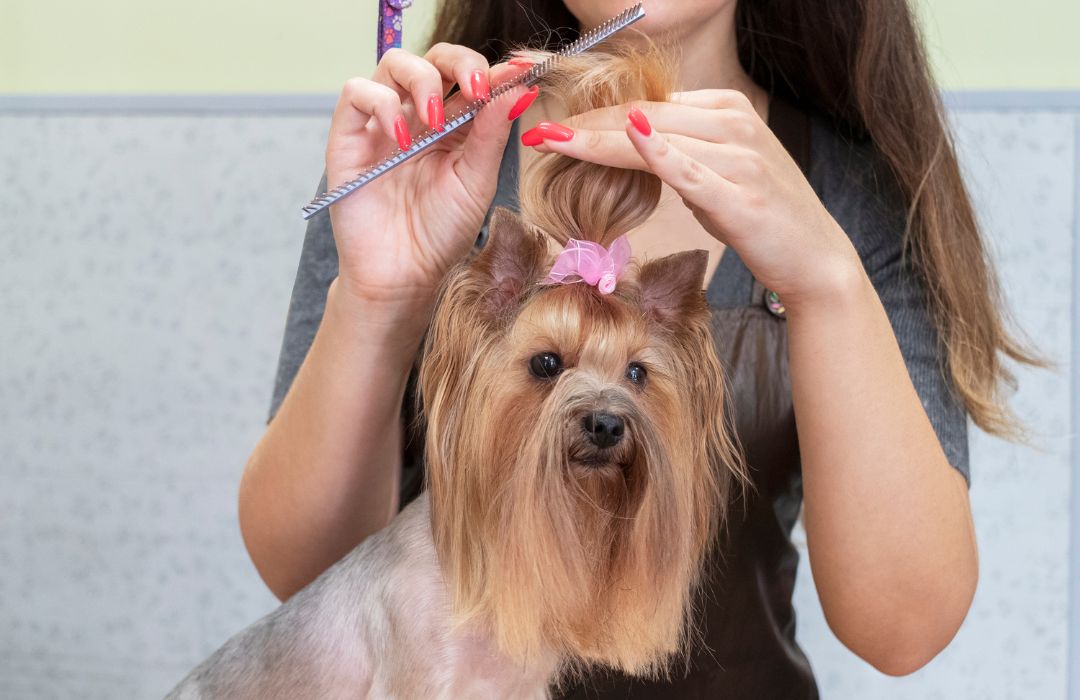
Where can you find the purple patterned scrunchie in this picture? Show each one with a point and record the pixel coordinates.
(389, 25)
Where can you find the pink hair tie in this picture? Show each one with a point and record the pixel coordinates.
(591, 263)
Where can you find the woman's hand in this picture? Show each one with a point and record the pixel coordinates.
(715, 151)
(398, 236)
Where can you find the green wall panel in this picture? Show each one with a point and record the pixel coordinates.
(243, 46)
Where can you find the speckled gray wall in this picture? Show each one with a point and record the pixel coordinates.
(145, 269)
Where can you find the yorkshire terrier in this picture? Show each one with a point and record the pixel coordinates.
(578, 460)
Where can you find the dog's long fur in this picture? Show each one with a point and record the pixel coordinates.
(536, 551)
(599, 563)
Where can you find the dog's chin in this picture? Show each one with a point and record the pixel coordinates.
(591, 464)
(596, 464)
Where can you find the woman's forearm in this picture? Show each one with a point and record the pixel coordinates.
(325, 473)
(888, 520)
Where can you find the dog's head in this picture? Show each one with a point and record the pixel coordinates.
(578, 453)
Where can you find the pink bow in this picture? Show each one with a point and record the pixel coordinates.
(585, 261)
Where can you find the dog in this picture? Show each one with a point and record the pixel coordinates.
(579, 462)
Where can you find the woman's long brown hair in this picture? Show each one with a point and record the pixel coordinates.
(862, 64)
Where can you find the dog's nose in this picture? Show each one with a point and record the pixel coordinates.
(603, 429)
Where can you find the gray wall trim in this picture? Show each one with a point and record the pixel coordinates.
(1041, 100)
(1073, 653)
(277, 104)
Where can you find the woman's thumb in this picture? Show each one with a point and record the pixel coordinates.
(484, 146)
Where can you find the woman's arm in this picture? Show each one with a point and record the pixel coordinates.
(888, 520)
(325, 473)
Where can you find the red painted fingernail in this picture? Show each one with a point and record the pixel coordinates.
(553, 131)
(401, 131)
(546, 130)
(523, 102)
(637, 118)
(479, 82)
(435, 112)
(531, 137)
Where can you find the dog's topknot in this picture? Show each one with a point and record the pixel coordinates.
(569, 198)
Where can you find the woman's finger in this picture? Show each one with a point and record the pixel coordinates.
(719, 125)
(412, 76)
(601, 146)
(699, 185)
(613, 149)
(487, 135)
(360, 100)
(461, 65)
(714, 98)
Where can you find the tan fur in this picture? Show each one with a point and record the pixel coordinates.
(598, 564)
(568, 198)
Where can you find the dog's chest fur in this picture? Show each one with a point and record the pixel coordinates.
(375, 625)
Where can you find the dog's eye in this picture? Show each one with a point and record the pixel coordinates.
(545, 365)
(635, 373)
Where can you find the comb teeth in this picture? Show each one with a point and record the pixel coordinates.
(584, 42)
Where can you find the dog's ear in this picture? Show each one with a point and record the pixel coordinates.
(511, 261)
(671, 287)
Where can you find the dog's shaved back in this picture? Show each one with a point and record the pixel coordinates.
(375, 625)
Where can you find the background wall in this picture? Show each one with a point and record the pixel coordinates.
(147, 250)
(208, 46)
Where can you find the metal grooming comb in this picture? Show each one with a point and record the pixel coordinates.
(584, 42)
